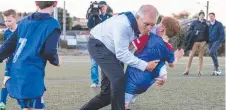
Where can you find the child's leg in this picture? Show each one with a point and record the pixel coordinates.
(4, 92)
(191, 55)
(128, 99)
(26, 104)
(134, 98)
(39, 104)
(201, 52)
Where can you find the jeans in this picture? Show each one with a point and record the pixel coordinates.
(94, 72)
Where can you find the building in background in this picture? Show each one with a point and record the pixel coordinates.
(80, 21)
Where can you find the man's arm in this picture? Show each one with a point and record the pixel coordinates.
(121, 40)
(222, 33)
(8, 47)
(191, 28)
(49, 49)
(207, 33)
(90, 23)
(93, 21)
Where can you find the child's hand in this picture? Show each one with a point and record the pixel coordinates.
(160, 81)
(179, 53)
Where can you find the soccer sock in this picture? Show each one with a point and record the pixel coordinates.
(4, 94)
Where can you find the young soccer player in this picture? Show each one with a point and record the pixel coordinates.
(32, 44)
(148, 48)
(10, 22)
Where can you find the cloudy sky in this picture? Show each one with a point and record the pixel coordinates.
(166, 7)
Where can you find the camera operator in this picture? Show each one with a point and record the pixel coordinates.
(93, 19)
(96, 17)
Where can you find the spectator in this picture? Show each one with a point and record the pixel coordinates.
(198, 39)
(216, 38)
(92, 22)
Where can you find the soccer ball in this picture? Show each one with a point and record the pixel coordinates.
(217, 73)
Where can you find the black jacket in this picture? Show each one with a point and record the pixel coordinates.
(197, 32)
(200, 30)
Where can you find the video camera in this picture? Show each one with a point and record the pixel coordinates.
(94, 9)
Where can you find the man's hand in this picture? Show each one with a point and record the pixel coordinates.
(160, 81)
(151, 65)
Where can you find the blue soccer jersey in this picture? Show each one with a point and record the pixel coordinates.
(139, 81)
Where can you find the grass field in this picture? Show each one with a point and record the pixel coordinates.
(68, 88)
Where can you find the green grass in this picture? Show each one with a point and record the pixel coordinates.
(68, 88)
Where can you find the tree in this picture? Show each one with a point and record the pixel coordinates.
(25, 14)
(196, 16)
(69, 21)
(159, 19)
(1, 18)
(77, 27)
(181, 15)
(109, 10)
(1, 37)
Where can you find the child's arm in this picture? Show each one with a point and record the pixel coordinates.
(162, 77)
(8, 47)
(49, 49)
(172, 58)
(160, 81)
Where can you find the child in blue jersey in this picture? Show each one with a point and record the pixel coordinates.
(149, 48)
(32, 44)
(10, 22)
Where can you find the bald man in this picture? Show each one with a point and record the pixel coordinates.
(108, 46)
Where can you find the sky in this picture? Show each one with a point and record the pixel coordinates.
(78, 8)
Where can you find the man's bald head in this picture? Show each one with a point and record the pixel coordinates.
(147, 10)
(146, 18)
